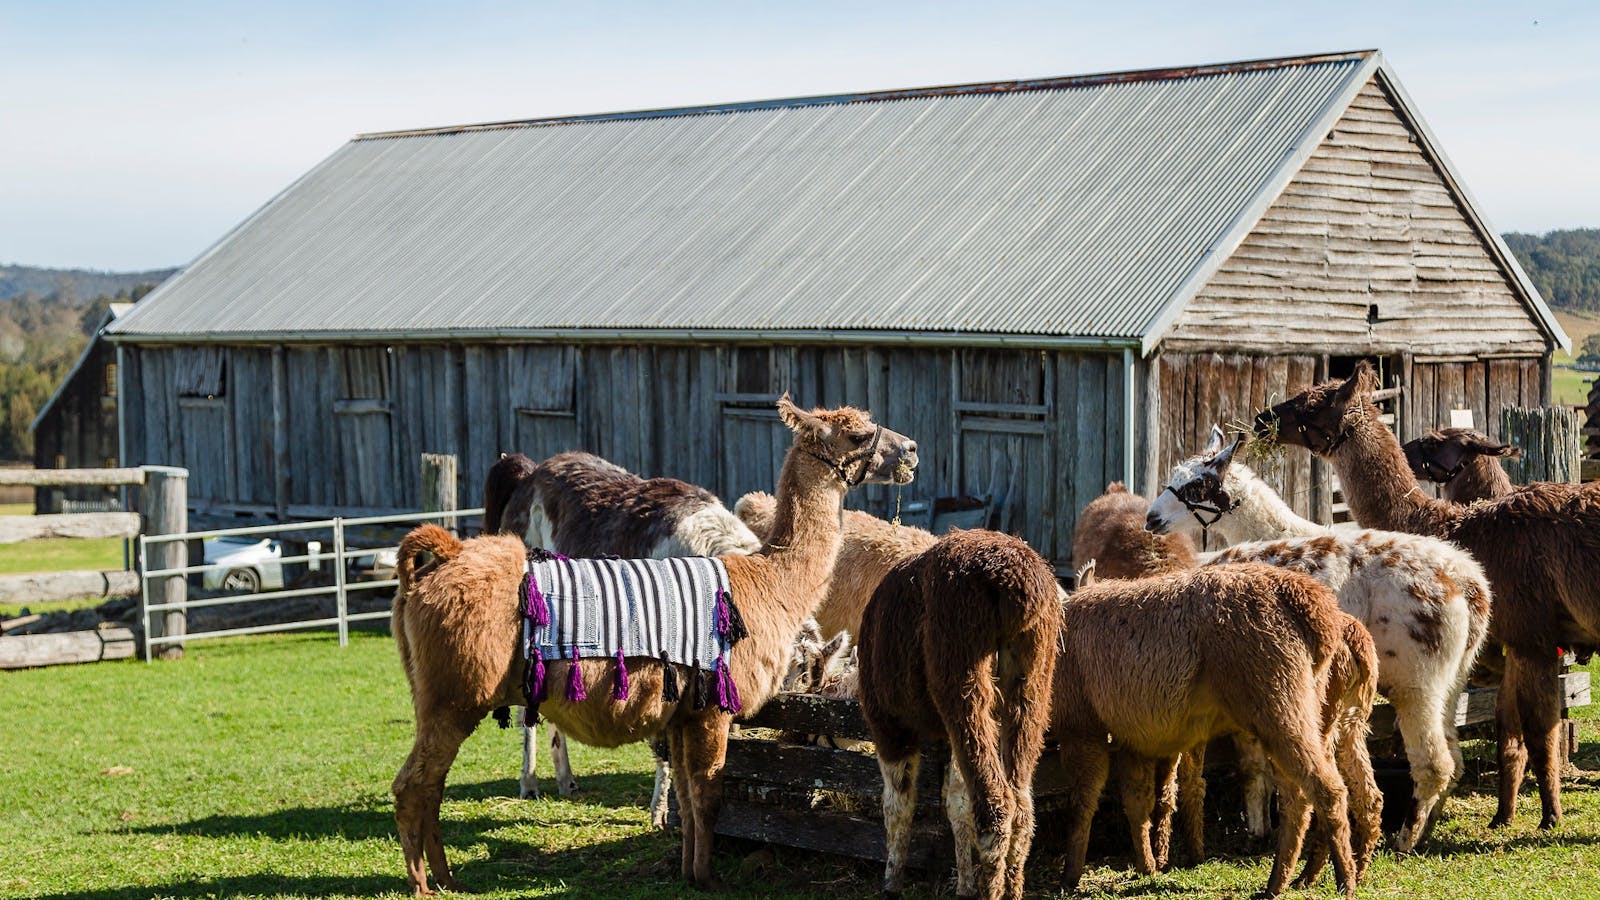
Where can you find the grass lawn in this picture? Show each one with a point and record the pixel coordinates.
(261, 766)
(1569, 387)
(56, 555)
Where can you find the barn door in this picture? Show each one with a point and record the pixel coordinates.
(362, 418)
(201, 377)
(754, 439)
(544, 399)
(1003, 403)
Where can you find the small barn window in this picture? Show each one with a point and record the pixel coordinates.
(111, 380)
(202, 372)
(363, 380)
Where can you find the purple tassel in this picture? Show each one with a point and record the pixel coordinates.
(575, 691)
(538, 608)
(727, 691)
(620, 690)
(536, 693)
(724, 618)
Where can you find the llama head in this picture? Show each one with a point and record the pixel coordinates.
(811, 659)
(859, 450)
(1439, 456)
(1319, 418)
(1194, 496)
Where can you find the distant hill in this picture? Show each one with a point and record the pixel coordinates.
(1564, 265)
(73, 286)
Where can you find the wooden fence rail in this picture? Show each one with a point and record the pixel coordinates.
(16, 529)
(70, 477)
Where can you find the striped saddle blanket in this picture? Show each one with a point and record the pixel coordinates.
(679, 611)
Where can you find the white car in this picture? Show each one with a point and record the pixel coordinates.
(243, 563)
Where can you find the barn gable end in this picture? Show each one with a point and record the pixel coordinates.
(1369, 220)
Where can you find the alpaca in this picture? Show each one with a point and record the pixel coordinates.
(871, 547)
(1426, 602)
(1464, 463)
(957, 645)
(581, 505)
(459, 644)
(1110, 531)
(1539, 547)
(830, 670)
(1163, 664)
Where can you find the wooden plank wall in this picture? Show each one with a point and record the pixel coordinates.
(1367, 221)
(81, 428)
(1483, 386)
(1040, 432)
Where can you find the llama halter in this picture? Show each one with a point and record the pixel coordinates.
(678, 611)
(859, 457)
(1197, 497)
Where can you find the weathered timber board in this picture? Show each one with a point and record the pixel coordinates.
(811, 714)
(42, 587)
(15, 529)
(1476, 705)
(65, 477)
(22, 651)
(804, 765)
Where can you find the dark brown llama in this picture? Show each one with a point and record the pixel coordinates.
(1463, 462)
(458, 626)
(957, 645)
(1539, 546)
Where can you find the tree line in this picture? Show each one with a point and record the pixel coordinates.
(1564, 265)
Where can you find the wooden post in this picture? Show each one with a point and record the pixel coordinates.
(1549, 438)
(164, 500)
(439, 483)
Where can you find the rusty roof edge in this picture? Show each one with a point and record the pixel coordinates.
(1163, 73)
(1469, 206)
(1237, 230)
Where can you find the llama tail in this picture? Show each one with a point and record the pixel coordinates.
(504, 477)
(424, 548)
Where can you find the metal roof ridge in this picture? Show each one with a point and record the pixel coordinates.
(1161, 73)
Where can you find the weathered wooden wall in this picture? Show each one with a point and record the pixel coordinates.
(1485, 386)
(1369, 221)
(80, 430)
(1039, 432)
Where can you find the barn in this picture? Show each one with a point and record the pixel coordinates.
(1050, 284)
(77, 427)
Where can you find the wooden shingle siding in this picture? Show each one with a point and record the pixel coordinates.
(1368, 220)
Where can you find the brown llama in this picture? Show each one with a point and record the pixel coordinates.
(1463, 462)
(1111, 532)
(869, 549)
(1539, 546)
(957, 645)
(458, 625)
(582, 505)
(1163, 664)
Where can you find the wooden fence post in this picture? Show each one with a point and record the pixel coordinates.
(164, 500)
(1550, 440)
(439, 483)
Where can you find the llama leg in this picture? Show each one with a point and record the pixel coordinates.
(958, 809)
(1192, 802)
(1086, 763)
(969, 706)
(1294, 814)
(1166, 796)
(899, 807)
(1300, 754)
(1366, 801)
(1022, 825)
(1256, 775)
(661, 792)
(706, 749)
(1421, 723)
(678, 755)
(1136, 776)
(1533, 679)
(566, 782)
(1026, 669)
(528, 787)
(1510, 750)
(418, 792)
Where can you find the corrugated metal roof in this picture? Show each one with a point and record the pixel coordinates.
(1063, 208)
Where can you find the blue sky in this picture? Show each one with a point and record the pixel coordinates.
(136, 134)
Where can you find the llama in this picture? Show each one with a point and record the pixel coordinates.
(957, 645)
(581, 505)
(1464, 463)
(1426, 602)
(1163, 664)
(459, 647)
(870, 548)
(1110, 531)
(1539, 547)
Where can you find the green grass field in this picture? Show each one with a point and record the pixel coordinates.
(260, 767)
(61, 555)
(1569, 386)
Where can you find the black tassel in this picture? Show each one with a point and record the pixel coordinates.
(736, 630)
(502, 716)
(702, 688)
(669, 680)
(540, 554)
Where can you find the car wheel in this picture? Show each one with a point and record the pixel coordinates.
(246, 580)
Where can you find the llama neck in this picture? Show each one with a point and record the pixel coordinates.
(1482, 479)
(1262, 514)
(1378, 483)
(803, 545)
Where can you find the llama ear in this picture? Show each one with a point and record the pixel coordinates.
(1221, 460)
(810, 631)
(1218, 440)
(836, 646)
(1085, 575)
(1483, 446)
(802, 423)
